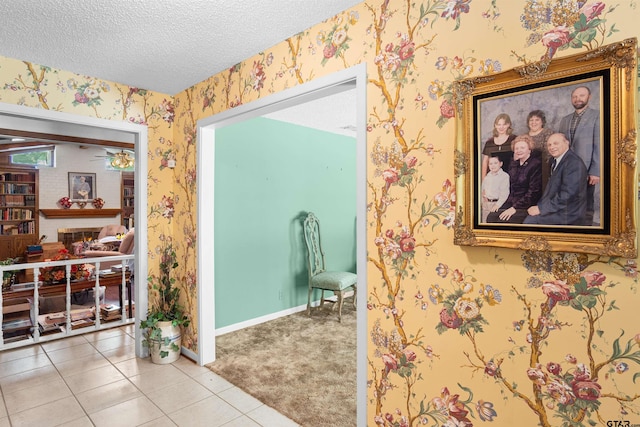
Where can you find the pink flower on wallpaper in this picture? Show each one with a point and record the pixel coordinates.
(447, 197)
(408, 244)
(329, 50)
(258, 75)
(410, 161)
(449, 405)
(81, 98)
(409, 355)
(393, 250)
(586, 390)
(571, 358)
(554, 368)
(392, 62)
(582, 372)
(450, 320)
(491, 368)
(561, 392)
(406, 50)
(167, 207)
(455, 8)
(537, 375)
(558, 290)
(592, 9)
(391, 176)
(390, 362)
(555, 38)
(593, 278)
(446, 109)
(167, 111)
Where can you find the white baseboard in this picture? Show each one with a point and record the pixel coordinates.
(258, 320)
(272, 316)
(189, 354)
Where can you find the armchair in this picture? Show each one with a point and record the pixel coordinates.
(111, 230)
(126, 248)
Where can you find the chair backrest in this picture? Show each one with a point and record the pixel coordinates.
(126, 245)
(311, 228)
(111, 230)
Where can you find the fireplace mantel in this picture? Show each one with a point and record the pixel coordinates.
(79, 213)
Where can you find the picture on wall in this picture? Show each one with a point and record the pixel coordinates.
(546, 155)
(82, 186)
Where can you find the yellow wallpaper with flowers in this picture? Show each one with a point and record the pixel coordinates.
(457, 335)
(39, 86)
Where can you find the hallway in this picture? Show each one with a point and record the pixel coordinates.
(96, 380)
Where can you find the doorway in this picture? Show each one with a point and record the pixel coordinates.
(351, 78)
(23, 121)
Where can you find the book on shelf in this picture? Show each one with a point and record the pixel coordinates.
(56, 317)
(20, 323)
(118, 268)
(50, 329)
(82, 323)
(109, 312)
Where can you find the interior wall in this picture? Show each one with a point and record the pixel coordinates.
(482, 368)
(268, 173)
(54, 184)
(421, 371)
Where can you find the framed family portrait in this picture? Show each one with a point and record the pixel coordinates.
(546, 155)
(82, 186)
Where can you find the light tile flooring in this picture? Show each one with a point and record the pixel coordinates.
(96, 380)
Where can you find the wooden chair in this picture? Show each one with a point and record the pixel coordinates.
(337, 282)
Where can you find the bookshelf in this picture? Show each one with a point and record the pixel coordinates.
(128, 201)
(18, 210)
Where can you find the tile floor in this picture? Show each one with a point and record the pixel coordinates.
(96, 380)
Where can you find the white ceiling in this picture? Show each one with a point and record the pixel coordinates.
(160, 45)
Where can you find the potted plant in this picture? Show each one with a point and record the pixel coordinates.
(162, 329)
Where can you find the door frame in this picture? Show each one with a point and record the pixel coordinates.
(58, 123)
(206, 130)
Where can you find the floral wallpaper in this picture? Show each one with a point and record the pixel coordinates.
(458, 336)
(38, 86)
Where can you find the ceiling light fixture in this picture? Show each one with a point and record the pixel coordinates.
(122, 160)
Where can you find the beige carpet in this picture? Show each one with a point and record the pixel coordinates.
(303, 367)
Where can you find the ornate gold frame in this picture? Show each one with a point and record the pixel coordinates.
(615, 238)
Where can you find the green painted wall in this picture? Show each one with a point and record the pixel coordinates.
(267, 174)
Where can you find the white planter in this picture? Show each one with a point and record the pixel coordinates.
(175, 336)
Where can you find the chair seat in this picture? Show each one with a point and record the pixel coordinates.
(334, 280)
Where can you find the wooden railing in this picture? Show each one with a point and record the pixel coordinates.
(24, 322)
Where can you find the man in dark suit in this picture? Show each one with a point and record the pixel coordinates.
(564, 201)
(582, 129)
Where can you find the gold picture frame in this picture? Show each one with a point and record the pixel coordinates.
(607, 76)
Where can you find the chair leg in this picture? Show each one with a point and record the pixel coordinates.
(309, 301)
(340, 299)
(355, 294)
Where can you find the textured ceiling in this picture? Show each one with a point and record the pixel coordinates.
(160, 45)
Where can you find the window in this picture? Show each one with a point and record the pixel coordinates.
(34, 156)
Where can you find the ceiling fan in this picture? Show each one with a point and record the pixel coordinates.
(120, 159)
